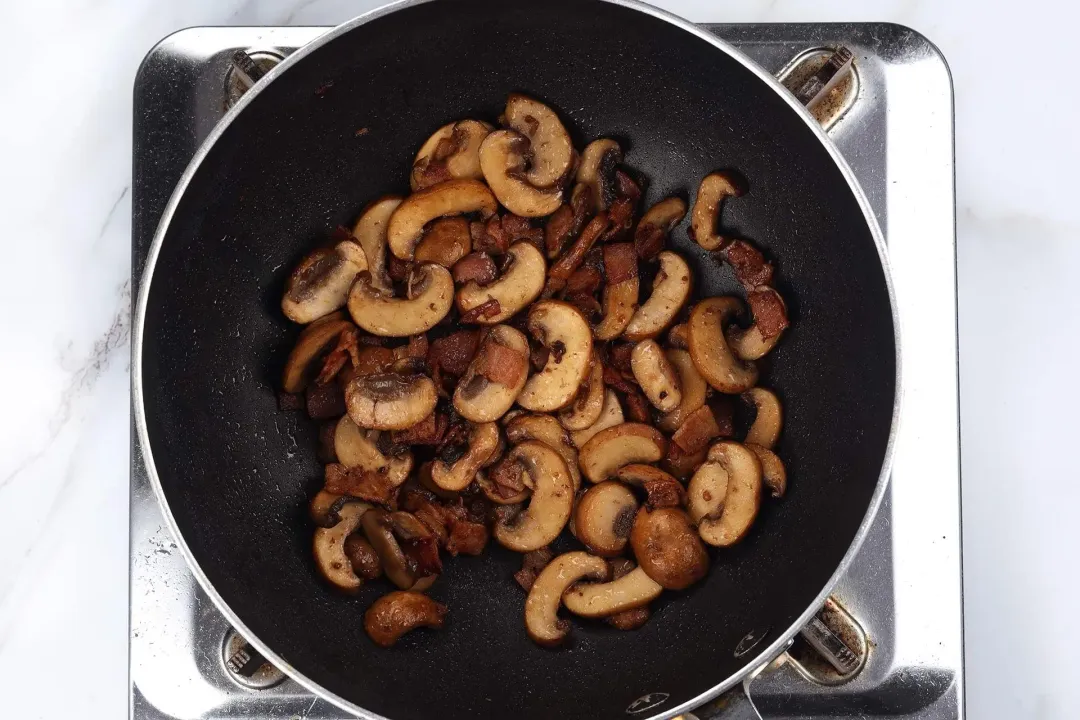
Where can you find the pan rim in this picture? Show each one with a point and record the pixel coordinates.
(138, 327)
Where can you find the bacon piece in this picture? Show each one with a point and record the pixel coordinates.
(488, 308)
(697, 430)
(531, 564)
(476, 267)
(372, 360)
(749, 264)
(649, 240)
(369, 485)
(663, 492)
(565, 266)
(453, 353)
(637, 407)
(429, 431)
(621, 214)
(770, 315)
(501, 364)
(290, 402)
(466, 537)
(325, 401)
(620, 262)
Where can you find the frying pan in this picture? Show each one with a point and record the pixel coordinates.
(287, 164)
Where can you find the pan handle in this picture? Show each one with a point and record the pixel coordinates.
(825, 81)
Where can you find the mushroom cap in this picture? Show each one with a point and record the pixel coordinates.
(388, 401)
(607, 451)
(542, 604)
(594, 600)
(709, 349)
(370, 232)
(452, 197)
(463, 138)
(589, 401)
(670, 291)
(667, 548)
(550, 148)
(320, 284)
(551, 503)
(597, 170)
(620, 304)
(302, 366)
(399, 612)
(545, 429)
(693, 386)
(604, 516)
(431, 294)
(477, 398)
(483, 442)
(502, 159)
(563, 330)
(357, 447)
(519, 285)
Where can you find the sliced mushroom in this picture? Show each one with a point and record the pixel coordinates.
(428, 300)
(520, 284)
(597, 170)
(773, 473)
(714, 189)
(682, 465)
(656, 376)
(445, 241)
(596, 600)
(399, 612)
(621, 291)
(656, 224)
(542, 605)
(453, 197)
(370, 232)
(742, 498)
(678, 337)
(329, 547)
(551, 153)
(709, 349)
(388, 401)
(667, 548)
(502, 159)
(707, 492)
(316, 339)
(545, 429)
(694, 390)
(491, 492)
(480, 398)
(453, 151)
(363, 558)
(768, 419)
(483, 442)
(376, 526)
(754, 343)
(588, 403)
(323, 508)
(551, 502)
(627, 619)
(320, 283)
(562, 329)
(611, 414)
(356, 447)
(671, 289)
(604, 516)
(608, 450)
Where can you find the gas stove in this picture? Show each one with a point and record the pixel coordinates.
(889, 641)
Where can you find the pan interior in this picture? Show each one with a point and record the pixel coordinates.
(339, 129)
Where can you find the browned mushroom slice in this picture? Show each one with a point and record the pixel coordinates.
(596, 600)
(662, 489)
(521, 282)
(611, 414)
(679, 337)
(671, 289)
(323, 508)
(495, 376)
(357, 447)
(768, 417)
(363, 558)
(551, 502)
(445, 241)
(597, 171)
(483, 442)
(652, 230)
(501, 493)
(399, 612)
(694, 390)
(610, 449)
(388, 401)
(667, 548)
(370, 232)
(773, 473)
(503, 161)
(561, 328)
(621, 291)
(727, 522)
(542, 605)
(316, 339)
(551, 153)
(604, 516)
(714, 189)
(453, 197)
(453, 151)
(428, 299)
(329, 547)
(378, 530)
(545, 429)
(709, 348)
(656, 376)
(589, 402)
(320, 283)
(770, 321)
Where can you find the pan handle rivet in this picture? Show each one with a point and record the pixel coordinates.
(245, 665)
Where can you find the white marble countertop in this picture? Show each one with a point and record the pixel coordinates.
(65, 173)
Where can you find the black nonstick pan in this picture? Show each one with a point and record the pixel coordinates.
(288, 164)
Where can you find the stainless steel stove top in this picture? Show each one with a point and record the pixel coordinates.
(904, 588)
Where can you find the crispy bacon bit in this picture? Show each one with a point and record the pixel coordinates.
(325, 401)
(396, 268)
(506, 478)
(663, 492)
(345, 351)
(466, 537)
(488, 308)
(501, 364)
(531, 564)
(418, 544)
(476, 267)
(749, 264)
(558, 230)
(588, 305)
(680, 464)
(626, 187)
(373, 360)
(490, 238)
(565, 266)
(615, 379)
(621, 214)
(770, 315)
(435, 172)
(341, 234)
(620, 357)
(456, 435)
(370, 485)
(637, 407)
(429, 431)
(290, 402)
(585, 280)
(723, 411)
(516, 226)
(453, 353)
(697, 430)
(620, 262)
(649, 240)
(417, 347)
(427, 510)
